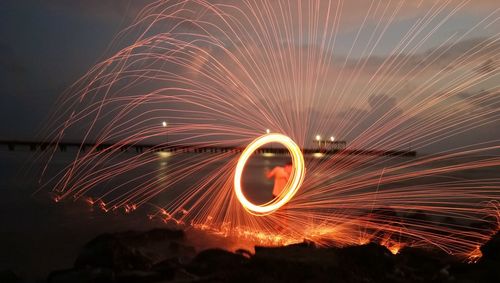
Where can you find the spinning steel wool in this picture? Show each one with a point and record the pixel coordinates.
(216, 74)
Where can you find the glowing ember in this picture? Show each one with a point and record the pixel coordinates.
(475, 255)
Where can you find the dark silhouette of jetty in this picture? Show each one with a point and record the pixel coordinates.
(339, 147)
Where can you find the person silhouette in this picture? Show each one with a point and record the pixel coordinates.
(281, 174)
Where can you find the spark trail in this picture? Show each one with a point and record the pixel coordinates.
(221, 72)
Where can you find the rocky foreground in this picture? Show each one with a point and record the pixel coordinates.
(161, 255)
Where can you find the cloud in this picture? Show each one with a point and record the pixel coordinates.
(487, 67)
(446, 58)
(378, 110)
(324, 93)
(350, 13)
(482, 99)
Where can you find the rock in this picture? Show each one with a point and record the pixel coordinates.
(108, 251)
(173, 269)
(424, 265)
(8, 276)
(122, 258)
(484, 272)
(104, 275)
(301, 251)
(366, 263)
(183, 252)
(422, 258)
(130, 256)
(244, 253)
(182, 275)
(491, 250)
(133, 250)
(168, 267)
(295, 263)
(486, 269)
(216, 261)
(306, 263)
(82, 275)
(138, 276)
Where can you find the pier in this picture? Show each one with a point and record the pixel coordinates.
(337, 148)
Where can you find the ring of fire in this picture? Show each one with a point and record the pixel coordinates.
(292, 186)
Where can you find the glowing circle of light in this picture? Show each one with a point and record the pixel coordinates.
(293, 184)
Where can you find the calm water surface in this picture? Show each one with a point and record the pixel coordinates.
(38, 235)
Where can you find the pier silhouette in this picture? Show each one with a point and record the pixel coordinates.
(339, 147)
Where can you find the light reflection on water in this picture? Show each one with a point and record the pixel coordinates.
(41, 235)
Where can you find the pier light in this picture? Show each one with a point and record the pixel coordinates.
(164, 124)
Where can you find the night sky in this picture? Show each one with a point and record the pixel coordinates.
(46, 45)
